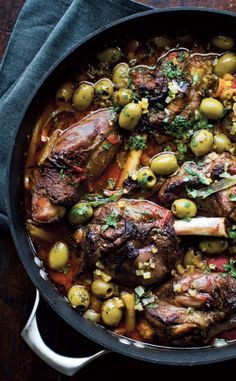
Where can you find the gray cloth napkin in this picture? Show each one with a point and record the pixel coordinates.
(45, 30)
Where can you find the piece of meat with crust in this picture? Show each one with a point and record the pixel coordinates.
(218, 204)
(77, 155)
(194, 82)
(193, 306)
(135, 241)
(149, 83)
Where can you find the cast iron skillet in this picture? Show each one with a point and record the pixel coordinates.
(203, 21)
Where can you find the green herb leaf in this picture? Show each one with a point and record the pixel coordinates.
(182, 148)
(213, 188)
(232, 197)
(111, 220)
(194, 172)
(172, 70)
(231, 268)
(232, 234)
(106, 146)
(137, 142)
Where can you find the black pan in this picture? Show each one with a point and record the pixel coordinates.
(200, 20)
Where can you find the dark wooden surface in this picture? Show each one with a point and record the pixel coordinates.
(17, 361)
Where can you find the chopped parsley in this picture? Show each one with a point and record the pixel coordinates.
(63, 176)
(179, 127)
(182, 148)
(167, 148)
(231, 267)
(182, 56)
(171, 70)
(106, 146)
(232, 197)
(111, 220)
(232, 234)
(137, 142)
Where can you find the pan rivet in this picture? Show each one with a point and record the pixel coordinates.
(43, 274)
(38, 261)
(124, 341)
(139, 345)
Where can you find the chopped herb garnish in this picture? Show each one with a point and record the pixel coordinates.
(167, 148)
(74, 184)
(232, 197)
(62, 174)
(111, 220)
(182, 148)
(232, 234)
(106, 146)
(190, 310)
(181, 57)
(179, 127)
(186, 219)
(171, 70)
(137, 142)
(231, 267)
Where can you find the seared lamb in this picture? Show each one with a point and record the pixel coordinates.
(192, 176)
(135, 240)
(193, 307)
(73, 159)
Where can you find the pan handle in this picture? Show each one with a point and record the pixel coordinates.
(66, 365)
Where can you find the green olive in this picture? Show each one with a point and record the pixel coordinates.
(102, 289)
(120, 75)
(162, 41)
(130, 116)
(65, 92)
(79, 297)
(164, 164)
(213, 245)
(109, 55)
(183, 207)
(122, 97)
(146, 178)
(189, 257)
(83, 96)
(223, 42)
(92, 316)
(58, 256)
(104, 88)
(202, 142)
(212, 108)
(226, 64)
(222, 143)
(80, 213)
(112, 311)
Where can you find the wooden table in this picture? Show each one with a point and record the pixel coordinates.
(17, 361)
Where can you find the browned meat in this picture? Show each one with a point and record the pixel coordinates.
(135, 240)
(78, 154)
(192, 77)
(218, 204)
(149, 83)
(190, 307)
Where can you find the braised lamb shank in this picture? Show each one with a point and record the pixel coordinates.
(72, 161)
(190, 176)
(194, 307)
(135, 240)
